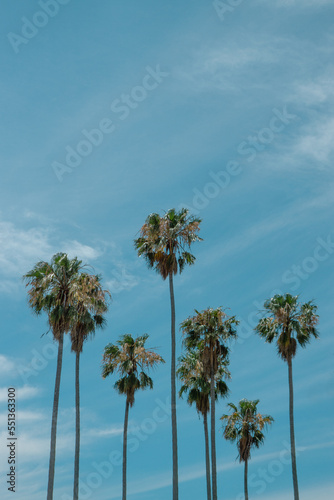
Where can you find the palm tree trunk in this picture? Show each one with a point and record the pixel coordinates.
(173, 392)
(207, 455)
(292, 433)
(246, 479)
(125, 440)
(77, 428)
(213, 435)
(54, 419)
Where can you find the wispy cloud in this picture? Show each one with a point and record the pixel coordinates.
(109, 432)
(325, 492)
(21, 248)
(34, 447)
(84, 252)
(23, 416)
(298, 3)
(33, 428)
(25, 392)
(7, 366)
(219, 67)
(215, 67)
(317, 143)
(296, 214)
(316, 91)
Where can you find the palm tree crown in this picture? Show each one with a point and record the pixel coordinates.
(163, 240)
(52, 289)
(208, 331)
(91, 303)
(245, 426)
(289, 322)
(196, 384)
(130, 358)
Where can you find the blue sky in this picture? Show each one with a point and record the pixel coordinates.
(114, 110)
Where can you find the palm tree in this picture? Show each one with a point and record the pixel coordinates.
(130, 359)
(245, 426)
(197, 386)
(208, 332)
(164, 243)
(51, 290)
(90, 304)
(289, 323)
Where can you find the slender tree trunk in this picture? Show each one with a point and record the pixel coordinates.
(292, 433)
(207, 456)
(125, 440)
(54, 419)
(77, 428)
(213, 435)
(173, 392)
(246, 479)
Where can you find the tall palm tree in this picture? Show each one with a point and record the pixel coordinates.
(130, 358)
(52, 288)
(164, 242)
(289, 323)
(245, 426)
(90, 306)
(208, 331)
(197, 386)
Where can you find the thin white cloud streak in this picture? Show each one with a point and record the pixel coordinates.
(323, 492)
(318, 143)
(215, 68)
(83, 252)
(23, 416)
(295, 215)
(297, 3)
(33, 433)
(109, 432)
(218, 67)
(7, 366)
(302, 385)
(313, 92)
(33, 448)
(33, 480)
(25, 392)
